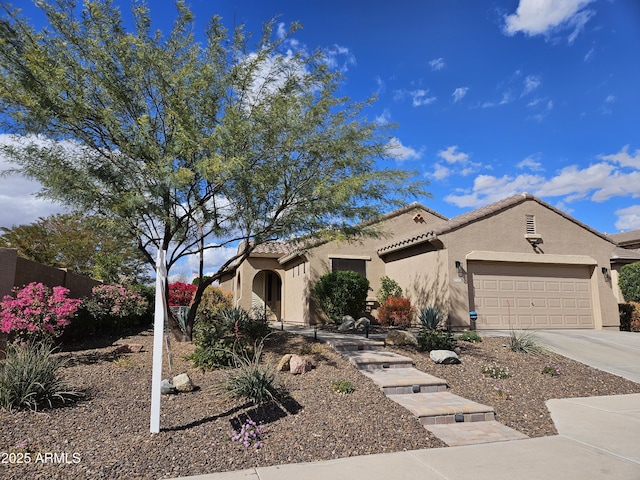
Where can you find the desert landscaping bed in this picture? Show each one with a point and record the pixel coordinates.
(106, 435)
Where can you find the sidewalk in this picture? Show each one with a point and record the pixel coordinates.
(598, 437)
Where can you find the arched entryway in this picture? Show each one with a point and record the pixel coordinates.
(266, 294)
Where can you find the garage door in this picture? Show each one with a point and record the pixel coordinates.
(531, 296)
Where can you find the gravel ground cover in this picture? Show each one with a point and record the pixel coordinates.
(106, 434)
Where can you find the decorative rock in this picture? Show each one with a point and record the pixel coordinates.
(401, 337)
(298, 364)
(130, 348)
(283, 364)
(362, 323)
(183, 383)
(166, 388)
(347, 323)
(446, 357)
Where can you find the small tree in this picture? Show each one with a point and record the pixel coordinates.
(629, 282)
(396, 311)
(342, 293)
(388, 288)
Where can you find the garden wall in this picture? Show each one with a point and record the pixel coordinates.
(16, 271)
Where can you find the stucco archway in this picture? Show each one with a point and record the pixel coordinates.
(266, 294)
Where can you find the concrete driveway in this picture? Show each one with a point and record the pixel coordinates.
(609, 350)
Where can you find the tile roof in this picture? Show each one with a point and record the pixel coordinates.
(626, 237)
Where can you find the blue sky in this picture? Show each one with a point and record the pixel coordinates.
(491, 98)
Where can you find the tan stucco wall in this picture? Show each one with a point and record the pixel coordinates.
(505, 232)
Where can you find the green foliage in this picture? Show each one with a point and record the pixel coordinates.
(495, 371)
(231, 332)
(552, 370)
(252, 380)
(388, 288)
(431, 317)
(30, 378)
(342, 293)
(214, 300)
(629, 282)
(525, 342)
(435, 339)
(84, 244)
(161, 130)
(396, 311)
(471, 337)
(343, 387)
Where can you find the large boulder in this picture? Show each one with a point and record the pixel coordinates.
(446, 357)
(298, 364)
(401, 337)
(183, 383)
(362, 323)
(348, 323)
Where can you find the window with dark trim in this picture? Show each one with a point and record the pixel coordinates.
(353, 264)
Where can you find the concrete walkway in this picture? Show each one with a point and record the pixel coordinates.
(598, 437)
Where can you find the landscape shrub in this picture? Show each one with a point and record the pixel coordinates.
(471, 337)
(181, 294)
(30, 377)
(388, 288)
(112, 308)
(231, 331)
(525, 342)
(214, 300)
(396, 311)
(629, 282)
(342, 293)
(253, 380)
(634, 324)
(431, 317)
(36, 312)
(435, 339)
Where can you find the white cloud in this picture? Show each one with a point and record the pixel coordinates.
(617, 175)
(440, 172)
(437, 64)
(610, 99)
(531, 83)
(214, 258)
(531, 163)
(589, 55)
(421, 97)
(623, 158)
(401, 152)
(459, 93)
(452, 155)
(547, 17)
(339, 58)
(384, 118)
(628, 218)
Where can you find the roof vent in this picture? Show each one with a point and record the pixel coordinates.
(418, 218)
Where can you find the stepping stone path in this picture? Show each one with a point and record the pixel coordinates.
(451, 418)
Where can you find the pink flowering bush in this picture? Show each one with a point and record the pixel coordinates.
(36, 312)
(111, 305)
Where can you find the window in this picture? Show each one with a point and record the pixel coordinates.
(356, 265)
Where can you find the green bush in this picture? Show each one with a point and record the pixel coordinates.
(388, 288)
(30, 378)
(431, 317)
(435, 339)
(471, 337)
(231, 331)
(214, 300)
(629, 282)
(343, 387)
(342, 293)
(396, 311)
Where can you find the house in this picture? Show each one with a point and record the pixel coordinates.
(518, 263)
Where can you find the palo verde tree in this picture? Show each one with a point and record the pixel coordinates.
(191, 145)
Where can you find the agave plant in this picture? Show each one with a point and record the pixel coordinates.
(431, 317)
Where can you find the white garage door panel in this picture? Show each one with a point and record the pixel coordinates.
(531, 296)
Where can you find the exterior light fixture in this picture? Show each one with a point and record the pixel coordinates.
(605, 271)
(459, 268)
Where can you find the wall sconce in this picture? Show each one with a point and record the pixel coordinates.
(459, 268)
(606, 273)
